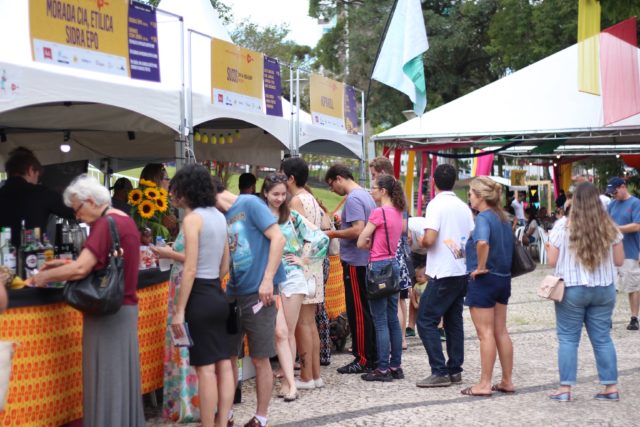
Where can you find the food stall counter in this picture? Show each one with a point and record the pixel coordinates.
(46, 377)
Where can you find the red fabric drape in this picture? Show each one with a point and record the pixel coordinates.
(434, 164)
(423, 164)
(619, 67)
(396, 163)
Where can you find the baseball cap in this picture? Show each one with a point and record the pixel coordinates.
(613, 184)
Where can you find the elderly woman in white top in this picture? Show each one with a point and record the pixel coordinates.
(585, 252)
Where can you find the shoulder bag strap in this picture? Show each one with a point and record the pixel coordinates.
(386, 231)
(115, 239)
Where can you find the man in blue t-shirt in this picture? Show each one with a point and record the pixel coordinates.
(256, 245)
(355, 214)
(625, 211)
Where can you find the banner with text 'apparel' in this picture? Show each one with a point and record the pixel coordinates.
(114, 37)
(237, 77)
(327, 102)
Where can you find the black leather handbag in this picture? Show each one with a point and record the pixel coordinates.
(382, 283)
(102, 291)
(521, 261)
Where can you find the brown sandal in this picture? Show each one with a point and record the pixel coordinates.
(498, 387)
(469, 392)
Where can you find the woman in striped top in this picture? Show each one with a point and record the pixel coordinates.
(584, 252)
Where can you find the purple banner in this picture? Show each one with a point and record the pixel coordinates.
(144, 60)
(350, 110)
(272, 87)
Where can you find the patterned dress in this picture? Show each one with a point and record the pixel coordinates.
(313, 212)
(180, 392)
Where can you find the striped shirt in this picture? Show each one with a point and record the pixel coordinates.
(571, 270)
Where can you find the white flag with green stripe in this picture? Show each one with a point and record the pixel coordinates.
(399, 64)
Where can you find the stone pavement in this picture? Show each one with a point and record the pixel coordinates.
(347, 400)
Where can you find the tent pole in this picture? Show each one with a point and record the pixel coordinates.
(364, 158)
(297, 136)
(291, 123)
(186, 136)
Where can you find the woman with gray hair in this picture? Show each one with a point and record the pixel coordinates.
(110, 359)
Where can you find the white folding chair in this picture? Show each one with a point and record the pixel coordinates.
(543, 238)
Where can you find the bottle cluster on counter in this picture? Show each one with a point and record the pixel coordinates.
(36, 249)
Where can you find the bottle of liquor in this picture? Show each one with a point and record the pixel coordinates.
(39, 247)
(20, 270)
(66, 247)
(8, 250)
(29, 254)
(48, 248)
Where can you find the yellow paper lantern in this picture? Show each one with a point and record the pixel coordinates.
(197, 136)
(237, 134)
(221, 139)
(205, 139)
(214, 139)
(229, 138)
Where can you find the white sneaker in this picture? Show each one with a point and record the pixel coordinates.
(305, 385)
(319, 383)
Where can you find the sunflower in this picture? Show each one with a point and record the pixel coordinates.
(135, 197)
(163, 192)
(151, 193)
(161, 204)
(147, 209)
(147, 183)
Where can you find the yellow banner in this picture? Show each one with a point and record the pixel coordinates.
(236, 70)
(327, 96)
(589, 46)
(408, 182)
(97, 25)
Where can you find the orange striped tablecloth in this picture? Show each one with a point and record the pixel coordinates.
(46, 379)
(334, 291)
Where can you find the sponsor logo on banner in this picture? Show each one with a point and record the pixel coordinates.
(9, 83)
(327, 102)
(237, 76)
(116, 36)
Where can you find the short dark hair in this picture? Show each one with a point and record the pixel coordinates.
(337, 170)
(193, 183)
(382, 164)
(121, 184)
(218, 185)
(20, 160)
(246, 180)
(445, 177)
(297, 168)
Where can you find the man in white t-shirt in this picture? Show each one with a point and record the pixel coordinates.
(447, 228)
(518, 208)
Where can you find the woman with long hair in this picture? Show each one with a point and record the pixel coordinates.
(307, 338)
(489, 251)
(201, 301)
(585, 251)
(293, 290)
(381, 236)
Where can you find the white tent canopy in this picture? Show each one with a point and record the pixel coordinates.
(263, 138)
(98, 110)
(536, 104)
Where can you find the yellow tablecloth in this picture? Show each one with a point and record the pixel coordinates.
(334, 291)
(46, 378)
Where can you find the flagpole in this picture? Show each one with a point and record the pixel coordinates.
(365, 105)
(384, 34)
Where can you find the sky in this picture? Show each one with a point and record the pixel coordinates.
(303, 29)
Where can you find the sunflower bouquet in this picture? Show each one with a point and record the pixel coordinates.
(149, 204)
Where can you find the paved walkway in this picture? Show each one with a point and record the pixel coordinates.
(348, 401)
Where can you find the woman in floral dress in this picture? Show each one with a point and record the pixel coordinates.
(180, 391)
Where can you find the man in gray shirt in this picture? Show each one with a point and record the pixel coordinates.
(355, 214)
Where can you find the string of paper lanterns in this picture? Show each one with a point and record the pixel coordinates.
(203, 137)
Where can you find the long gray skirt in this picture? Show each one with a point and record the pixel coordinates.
(111, 370)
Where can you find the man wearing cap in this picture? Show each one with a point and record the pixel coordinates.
(625, 211)
(121, 190)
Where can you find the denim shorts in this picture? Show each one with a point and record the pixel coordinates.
(487, 290)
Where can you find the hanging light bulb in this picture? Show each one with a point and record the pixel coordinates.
(557, 156)
(197, 137)
(205, 138)
(214, 139)
(555, 165)
(221, 139)
(617, 156)
(229, 138)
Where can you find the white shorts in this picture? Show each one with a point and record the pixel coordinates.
(629, 276)
(295, 284)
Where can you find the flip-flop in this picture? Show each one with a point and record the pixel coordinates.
(498, 387)
(469, 392)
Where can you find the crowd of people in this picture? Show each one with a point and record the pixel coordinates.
(273, 245)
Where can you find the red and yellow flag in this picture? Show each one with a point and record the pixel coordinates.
(589, 46)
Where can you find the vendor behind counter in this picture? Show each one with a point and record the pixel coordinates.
(23, 198)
